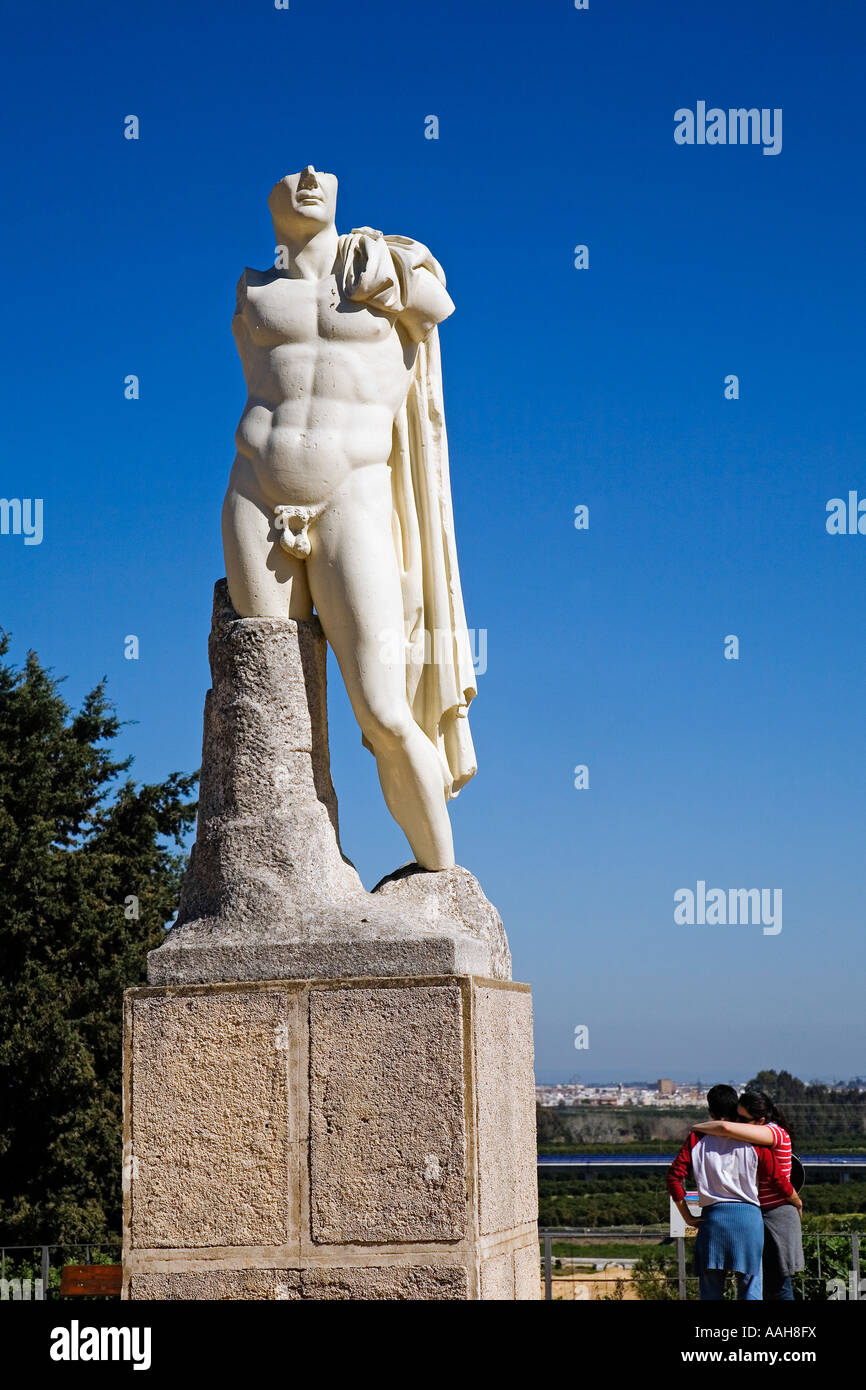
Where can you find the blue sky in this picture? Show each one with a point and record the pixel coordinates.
(603, 387)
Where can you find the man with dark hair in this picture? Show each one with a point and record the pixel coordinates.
(730, 1228)
(722, 1102)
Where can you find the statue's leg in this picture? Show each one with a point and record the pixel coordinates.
(355, 585)
(264, 582)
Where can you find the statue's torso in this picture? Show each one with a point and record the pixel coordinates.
(325, 378)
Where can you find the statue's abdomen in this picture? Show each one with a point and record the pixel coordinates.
(318, 410)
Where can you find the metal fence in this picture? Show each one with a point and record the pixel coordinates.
(31, 1273)
(586, 1264)
(581, 1264)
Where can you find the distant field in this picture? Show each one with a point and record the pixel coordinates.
(603, 1250)
(648, 1146)
(635, 1197)
(667, 1146)
(641, 1129)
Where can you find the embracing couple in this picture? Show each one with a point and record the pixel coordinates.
(750, 1212)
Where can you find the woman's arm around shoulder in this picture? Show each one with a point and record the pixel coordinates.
(732, 1129)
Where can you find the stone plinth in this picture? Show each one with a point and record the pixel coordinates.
(269, 893)
(319, 1139)
(328, 1093)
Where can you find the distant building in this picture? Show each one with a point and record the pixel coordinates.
(664, 1094)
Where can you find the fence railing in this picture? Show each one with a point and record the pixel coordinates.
(31, 1273)
(644, 1262)
(577, 1263)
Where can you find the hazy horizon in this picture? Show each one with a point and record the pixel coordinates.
(704, 1081)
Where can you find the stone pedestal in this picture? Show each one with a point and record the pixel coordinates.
(269, 894)
(328, 1093)
(353, 1139)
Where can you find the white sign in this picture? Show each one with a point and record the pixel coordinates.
(678, 1225)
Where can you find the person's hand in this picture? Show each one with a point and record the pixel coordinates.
(797, 1203)
(693, 1221)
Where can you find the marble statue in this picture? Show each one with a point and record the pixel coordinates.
(328, 1092)
(340, 499)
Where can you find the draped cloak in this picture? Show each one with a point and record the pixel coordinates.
(386, 273)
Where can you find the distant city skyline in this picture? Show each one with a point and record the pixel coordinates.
(601, 1079)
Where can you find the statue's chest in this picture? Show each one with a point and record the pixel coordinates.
(298, 311)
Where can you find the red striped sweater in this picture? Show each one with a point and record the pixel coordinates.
(774, 1183)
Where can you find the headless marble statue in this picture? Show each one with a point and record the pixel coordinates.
(339, 497)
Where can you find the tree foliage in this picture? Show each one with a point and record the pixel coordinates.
(88, 879)
(816, 1113)
(597, 1197)
(820, 1118)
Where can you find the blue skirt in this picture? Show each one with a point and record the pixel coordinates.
(730, 1236)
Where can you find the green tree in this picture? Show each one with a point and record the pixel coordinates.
(549, 1127)
(88, 879)
(818, 1116)
(655, 1276)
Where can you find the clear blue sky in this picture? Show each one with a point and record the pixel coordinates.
(602, 387)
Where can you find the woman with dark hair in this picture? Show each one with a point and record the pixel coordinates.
(760, 1121)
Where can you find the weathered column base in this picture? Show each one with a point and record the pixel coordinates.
(319, 1139)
